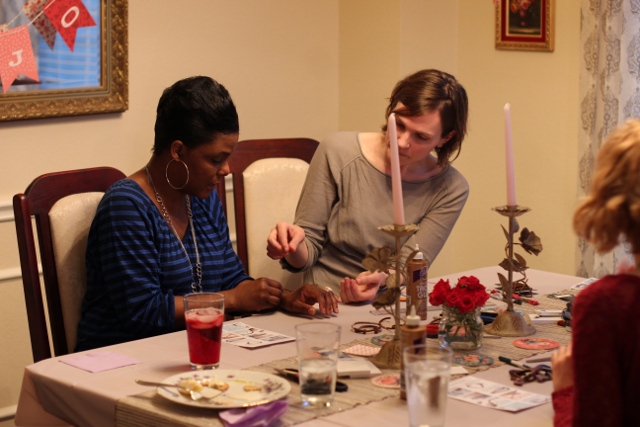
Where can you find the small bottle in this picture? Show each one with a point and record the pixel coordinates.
(417, 284)
(411, 333)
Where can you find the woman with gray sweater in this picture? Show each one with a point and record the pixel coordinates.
(347, 192)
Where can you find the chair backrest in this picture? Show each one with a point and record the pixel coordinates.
(268, 175)
(63, 205)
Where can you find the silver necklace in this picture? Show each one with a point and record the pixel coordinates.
(167, 218)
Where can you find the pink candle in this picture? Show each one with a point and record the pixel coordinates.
(511, 180)
(396, 179)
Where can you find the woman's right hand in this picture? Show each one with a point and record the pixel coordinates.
(363, 288)
(284, 239)
(253, 295)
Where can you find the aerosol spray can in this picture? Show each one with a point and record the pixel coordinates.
(417, 290)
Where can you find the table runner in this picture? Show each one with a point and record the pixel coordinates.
(150, 409)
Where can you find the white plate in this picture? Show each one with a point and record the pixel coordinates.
(273, 388)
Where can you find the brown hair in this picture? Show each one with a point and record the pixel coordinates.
(612, 207)
(431, 90)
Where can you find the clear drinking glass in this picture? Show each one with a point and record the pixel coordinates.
(204, 315)
(318, 346)
(427, 372)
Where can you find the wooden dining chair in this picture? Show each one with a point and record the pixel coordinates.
(267, 176)
(62, 206)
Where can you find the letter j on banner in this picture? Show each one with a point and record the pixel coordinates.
(67, 16)
(16, 56)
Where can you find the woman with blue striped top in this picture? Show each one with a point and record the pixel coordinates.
(161, 233)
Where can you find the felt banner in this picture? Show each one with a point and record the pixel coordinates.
(67, 16)
(16, 56)
(33, 10)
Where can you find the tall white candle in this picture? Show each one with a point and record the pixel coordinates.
(396, 179)
(511, 180)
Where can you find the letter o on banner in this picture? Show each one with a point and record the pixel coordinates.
(65, 23)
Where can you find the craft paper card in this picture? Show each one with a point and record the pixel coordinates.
(493, 395)
(243, 335)
(356, 367)
(98, 361)
(584, 283)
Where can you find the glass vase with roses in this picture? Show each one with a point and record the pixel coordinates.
(461, 327)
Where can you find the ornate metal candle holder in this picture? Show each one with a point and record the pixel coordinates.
(510, 323)
(380, 259)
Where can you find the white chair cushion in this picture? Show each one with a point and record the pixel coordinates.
(271, 191)
(71, 219)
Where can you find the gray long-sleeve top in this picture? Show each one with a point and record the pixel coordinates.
(345, 199)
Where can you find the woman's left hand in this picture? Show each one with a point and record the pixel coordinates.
(363, 288)
(562, 366)
(303, 299)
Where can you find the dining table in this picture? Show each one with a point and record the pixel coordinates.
(58, 394)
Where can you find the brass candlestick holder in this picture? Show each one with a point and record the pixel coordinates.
(380, 259)
(510, 323)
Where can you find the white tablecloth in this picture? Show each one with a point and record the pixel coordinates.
(56, 394)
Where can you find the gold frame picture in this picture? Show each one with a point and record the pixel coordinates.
(525, 25)
(112, 95)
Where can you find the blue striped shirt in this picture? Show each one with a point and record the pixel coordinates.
(135, 265)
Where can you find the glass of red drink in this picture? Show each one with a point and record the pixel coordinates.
(204, 314)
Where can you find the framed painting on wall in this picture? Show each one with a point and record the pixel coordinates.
(69, 84)
(525, 25)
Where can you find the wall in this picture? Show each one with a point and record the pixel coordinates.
(542, 88)
(305, 69)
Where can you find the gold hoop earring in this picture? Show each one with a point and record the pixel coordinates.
(166, 174)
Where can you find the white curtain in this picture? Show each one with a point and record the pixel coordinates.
(610, 94)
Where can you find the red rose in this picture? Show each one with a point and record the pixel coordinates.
(439, 293)
(466, 303)
(472, 283)
(480, 298)
(453, 298)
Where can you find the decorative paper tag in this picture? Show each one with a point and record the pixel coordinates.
(382, 339)
(471, 359)
(16, 56)
(33, 8)
(386, 381)
(67, 16)
(536, 343)
(362, 350)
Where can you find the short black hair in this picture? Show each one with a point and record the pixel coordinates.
(194, 110)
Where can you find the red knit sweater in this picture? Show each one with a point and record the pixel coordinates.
(606, 357)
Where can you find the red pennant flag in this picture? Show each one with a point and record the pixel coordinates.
(33, 10)
(67, 16)
(16, 56)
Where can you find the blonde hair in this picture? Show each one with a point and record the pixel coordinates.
(612, 207)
